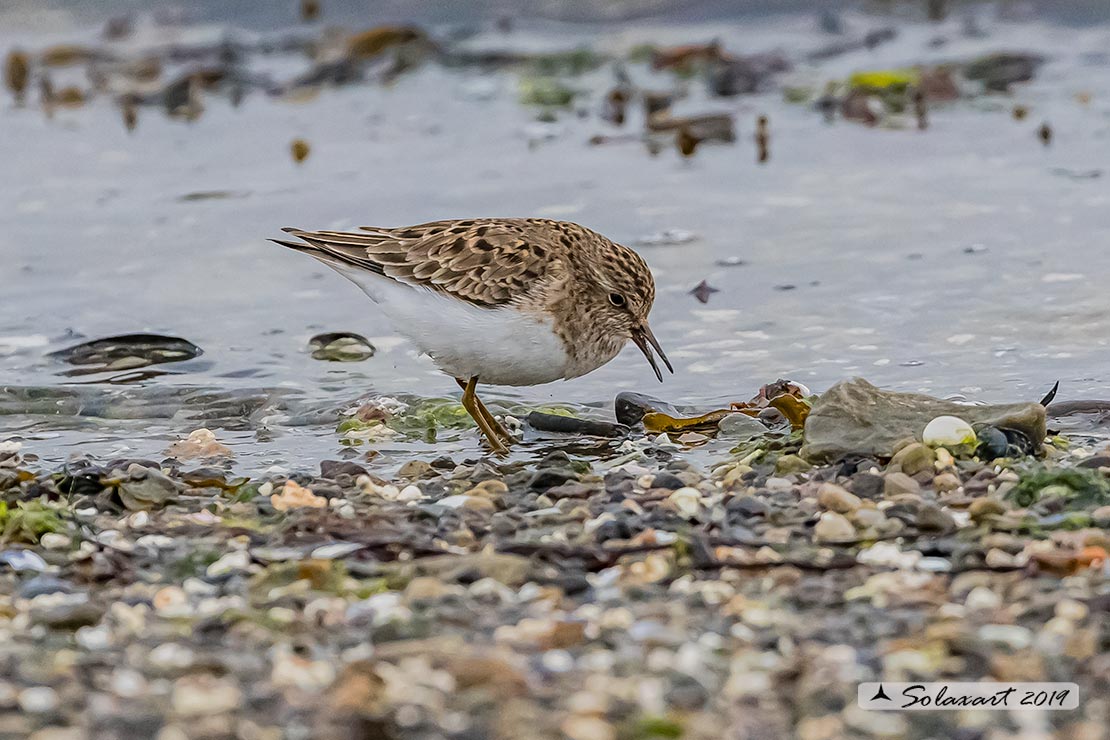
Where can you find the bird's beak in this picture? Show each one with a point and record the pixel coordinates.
(646, 341)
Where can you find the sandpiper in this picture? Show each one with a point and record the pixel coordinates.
(502, 301)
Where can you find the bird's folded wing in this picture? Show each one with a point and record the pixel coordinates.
(489, 263)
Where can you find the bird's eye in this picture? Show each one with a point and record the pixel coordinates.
(616, 299)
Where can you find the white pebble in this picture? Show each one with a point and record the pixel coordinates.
(949, 432)
(38, 700)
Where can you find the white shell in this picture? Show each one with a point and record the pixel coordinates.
(948, 431)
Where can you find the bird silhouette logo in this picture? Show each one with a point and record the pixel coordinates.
(880, 694)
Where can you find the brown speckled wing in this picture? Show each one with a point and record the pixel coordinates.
(489, 262)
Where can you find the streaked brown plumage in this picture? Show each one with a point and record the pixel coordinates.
(526, 278)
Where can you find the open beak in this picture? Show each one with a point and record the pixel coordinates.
(646, 341)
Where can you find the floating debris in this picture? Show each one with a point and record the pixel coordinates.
(376, 41)
(921, 111)
(687, 143)
(1045, 133)
(17, 73)
(998, 72)
(310, 11)
(71, 55)
(294, 496)
(703, 290)
(762, 140)
(667, 237)
(546, 91)
(130, 112)
(200, 444)
(69, 96)
(300, 150)
(615, 106)
(341, 347)
(126, 352)
(685, 58)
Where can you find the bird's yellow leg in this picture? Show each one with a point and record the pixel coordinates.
(491, 420)
(471, 403)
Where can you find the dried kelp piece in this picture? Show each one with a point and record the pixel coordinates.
(126, 352)
(795, 409)
(660, 422)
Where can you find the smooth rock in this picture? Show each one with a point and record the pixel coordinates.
(687, 501)
(986, 506)
(896, 483)
(835, 498)
(866, 485)
(545, 478)
(667, 480)
(746, 506)
(790, 464)
(740, 427)
(587, 727)
(834, 527)
(561, 424)
(992, 443)
(932, 518)
(146, 488)
(946, 482)
(855, 417)
(912, 459)
(950, 432)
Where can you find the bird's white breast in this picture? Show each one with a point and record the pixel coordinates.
(502, 346)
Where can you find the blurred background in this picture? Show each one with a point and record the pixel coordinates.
(913, 192)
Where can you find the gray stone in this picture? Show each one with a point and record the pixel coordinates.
(855, 417)
(740, 427)
(896, 483)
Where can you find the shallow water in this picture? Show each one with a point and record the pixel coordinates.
(963, 259)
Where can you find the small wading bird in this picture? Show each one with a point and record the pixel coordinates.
(502, 301)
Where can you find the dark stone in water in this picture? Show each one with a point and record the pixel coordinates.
(572, 425)
(126, 352)
(999, 71)
(614, 529)
(746, 506)
(555, 459)
(618, 484)
(545, 478)
(631, 407)
(992, 443)
(332, 468)
(341, 346)
(733, 77)
(855, 417)
(670, 481)
(1096, 462)
(1020, 441)
(866, 485)
(40, 585)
